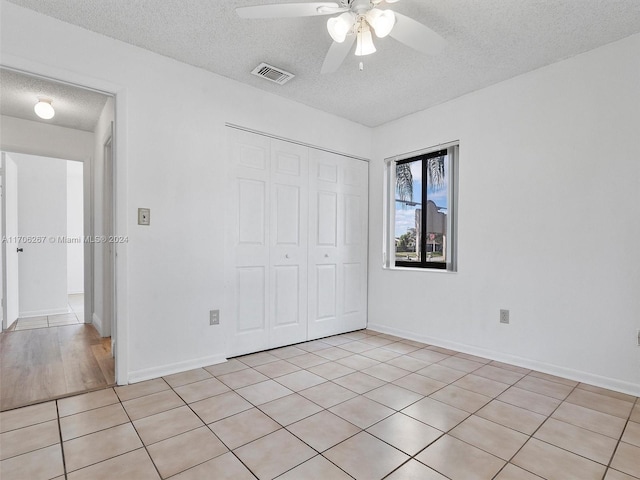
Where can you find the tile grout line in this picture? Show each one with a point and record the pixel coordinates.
(427, 396)
(64, 462)
(535, 431)
(361, 430)
(144, 445)
(206, 425)
(323, 410)
(626, 424)
(494, 398)
(318, 453)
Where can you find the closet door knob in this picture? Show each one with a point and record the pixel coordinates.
(286, 256)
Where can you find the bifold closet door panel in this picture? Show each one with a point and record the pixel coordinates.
(355, 244)
(288, 233)
(338, 203)
(247, 265)
(295, 243)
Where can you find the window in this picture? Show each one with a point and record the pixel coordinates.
(421, 210)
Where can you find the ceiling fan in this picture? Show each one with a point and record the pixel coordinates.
(355, 22)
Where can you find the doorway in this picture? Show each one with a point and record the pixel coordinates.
(74, 352)
(49, 241)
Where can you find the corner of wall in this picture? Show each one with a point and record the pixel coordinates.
(97, 323)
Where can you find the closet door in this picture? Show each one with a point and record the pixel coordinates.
(247, 242)
(266, 242)
(288, 243)
(338, 204)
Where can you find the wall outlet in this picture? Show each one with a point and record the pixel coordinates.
(214, 317)
(504, 316)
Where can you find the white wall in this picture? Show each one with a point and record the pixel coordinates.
(42, 212)
(37, 138)
(171, 154)
(75, 228)
(548, 222)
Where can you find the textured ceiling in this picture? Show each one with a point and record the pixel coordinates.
(75, 107)
(487, 41)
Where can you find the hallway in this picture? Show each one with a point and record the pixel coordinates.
(75, 316)
(47, 363)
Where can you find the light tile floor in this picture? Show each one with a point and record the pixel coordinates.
(361, 405)
(73, 317)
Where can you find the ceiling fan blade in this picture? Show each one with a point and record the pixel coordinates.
(416, 35)
(284, 10)
(336, 54)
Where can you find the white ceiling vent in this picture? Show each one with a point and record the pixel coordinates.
(272, 73)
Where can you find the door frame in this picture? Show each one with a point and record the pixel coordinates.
(108, 210)
(119, 130)
(5, 245)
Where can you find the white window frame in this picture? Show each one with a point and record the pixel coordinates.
(389, 244)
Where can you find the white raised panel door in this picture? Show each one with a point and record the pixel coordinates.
(354, 243)
(288, 243)
(338, 191)
(247, 267)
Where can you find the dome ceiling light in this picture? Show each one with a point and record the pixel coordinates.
(44, 109)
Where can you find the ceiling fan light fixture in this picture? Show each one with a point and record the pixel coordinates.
(365, 44)
(340, 26)
(382, 21)
(44, 109)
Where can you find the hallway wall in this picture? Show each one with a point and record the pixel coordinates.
(75, 227)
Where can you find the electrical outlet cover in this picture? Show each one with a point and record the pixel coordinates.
(144, 216)
(504, 316)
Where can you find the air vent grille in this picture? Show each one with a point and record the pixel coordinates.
(273, 74)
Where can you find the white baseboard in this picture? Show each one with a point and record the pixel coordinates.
(43, 313)
(569, 373)
(169, 369)
(97, 322)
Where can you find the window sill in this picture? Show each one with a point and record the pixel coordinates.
(417, 269)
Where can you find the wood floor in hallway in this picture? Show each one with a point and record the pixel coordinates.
(47, 363)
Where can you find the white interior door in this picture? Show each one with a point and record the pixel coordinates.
(338, 205)
(10, 282)
(288, 243)
(247, 242)
(42, 211)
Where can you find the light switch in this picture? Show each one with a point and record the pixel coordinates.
(144, 216)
